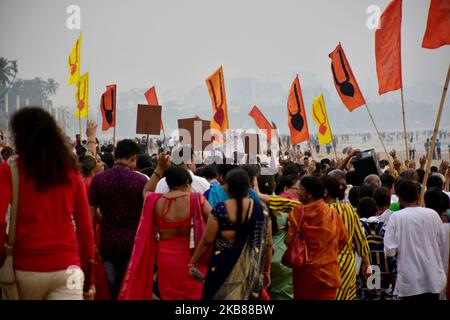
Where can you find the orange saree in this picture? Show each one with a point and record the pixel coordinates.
(325, 235)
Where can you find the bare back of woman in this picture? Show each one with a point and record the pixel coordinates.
(174, 207)
(231, 207)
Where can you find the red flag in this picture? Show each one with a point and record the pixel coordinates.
(108, 107)
(296, 114)
(344, 80)
(437, 33)
(152, 100)
(388, 48)
(261, 122)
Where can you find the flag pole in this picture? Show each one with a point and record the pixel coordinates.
(378, 133)
(433, 140)
(404, 124)
(146, 148)
(114, 136)
(79, 125)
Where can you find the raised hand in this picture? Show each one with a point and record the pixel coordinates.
(311, 168)
(393, 154)
(91, 130)
(164, 162)
(443, 167)
(423, 161)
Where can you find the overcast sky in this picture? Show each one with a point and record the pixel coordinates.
(176, 44)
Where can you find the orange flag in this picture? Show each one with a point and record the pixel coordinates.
(344, 80)
(152, 100)
(388, 48)
(296, 114)
(437, 33)
(108, 107)
(216, 87)
(261, 122)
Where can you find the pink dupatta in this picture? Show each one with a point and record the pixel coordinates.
(138, 280)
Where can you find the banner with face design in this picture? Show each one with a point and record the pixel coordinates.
(296, 114)
(344, 80)
(108, 107)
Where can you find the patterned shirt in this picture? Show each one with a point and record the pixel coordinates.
(118, 194)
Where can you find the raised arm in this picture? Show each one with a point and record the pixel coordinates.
(91, 133)
(164, 162)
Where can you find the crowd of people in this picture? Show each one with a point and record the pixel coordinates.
(140, 226)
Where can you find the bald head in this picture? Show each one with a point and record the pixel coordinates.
(373, 180)
(337, 174)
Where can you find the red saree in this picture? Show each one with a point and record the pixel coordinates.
(172, 257)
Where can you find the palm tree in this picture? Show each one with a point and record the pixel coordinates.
(51, 86)
(8, 73)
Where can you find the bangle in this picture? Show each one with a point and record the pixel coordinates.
(94, 142)
(157, 174)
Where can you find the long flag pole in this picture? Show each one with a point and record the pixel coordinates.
(404, 124)
(79, 125)
(433, 140)
(378, 133)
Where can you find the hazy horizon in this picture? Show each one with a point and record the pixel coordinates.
(175, 45)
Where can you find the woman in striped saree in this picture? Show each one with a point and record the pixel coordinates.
(335, 191)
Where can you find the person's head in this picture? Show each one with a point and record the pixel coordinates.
(238, 182)
(434, 169)
(209, 172)
(252, 171)
(408, 193)
(367, 190)
(7, 152)
(421, 175)
(354, 196)
(436, 181)
(382, 197)
(223, 169)
(334, 185)
(373, 180)
(410, 175)
(126, 153)
(87, 165)
(367, 207)
(178, 178)
(108, 159)
(289, 185)
(437, 200)
(41, 147)
(387, 181)
(266, 184)
(143, 161)
(311, 189)
(290, 169)
(339, 175)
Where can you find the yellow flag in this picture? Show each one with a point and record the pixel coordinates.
(320, 117)
(216, 87)
(74, 62)
(82, 97)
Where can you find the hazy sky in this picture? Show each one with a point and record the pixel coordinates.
(176, 44)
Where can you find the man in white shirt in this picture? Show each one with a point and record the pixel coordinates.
(199, 184)
(415, 234)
